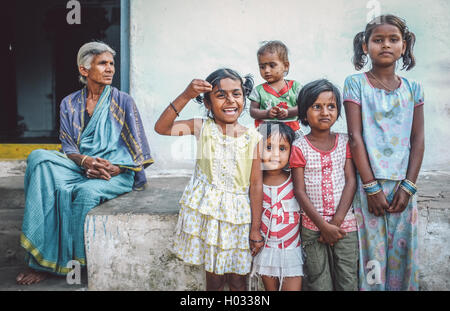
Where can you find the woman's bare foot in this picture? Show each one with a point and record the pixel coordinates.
(31, 277)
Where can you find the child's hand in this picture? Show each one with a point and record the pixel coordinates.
(282, 113)
(377, 204)
(337, 221)
(197, 87)
(400, 201)
(330, 234)
(272, 112)
(256, 242)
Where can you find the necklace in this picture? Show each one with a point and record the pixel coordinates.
(279, 95)
(384, 85)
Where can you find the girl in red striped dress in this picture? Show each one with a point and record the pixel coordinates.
(280, 261)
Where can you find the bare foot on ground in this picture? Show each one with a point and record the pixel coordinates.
(31, 277)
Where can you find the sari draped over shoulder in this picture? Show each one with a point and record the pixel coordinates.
(58, 195)
(117, 133)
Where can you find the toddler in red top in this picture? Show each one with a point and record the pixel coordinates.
(324, 185)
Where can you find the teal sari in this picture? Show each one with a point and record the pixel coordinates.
(57, 192)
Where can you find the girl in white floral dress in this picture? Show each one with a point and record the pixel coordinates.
(221, 207)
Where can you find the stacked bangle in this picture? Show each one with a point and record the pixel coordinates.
(372, 188)
(409, 187)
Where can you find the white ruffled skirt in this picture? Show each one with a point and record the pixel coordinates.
(277, 262)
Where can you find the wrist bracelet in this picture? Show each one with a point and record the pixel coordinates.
(82, 160)
(174, 109)
(256, 241)
(369, 182)
(372, 188)
(409, 187)
(374, 193)
(409, 182)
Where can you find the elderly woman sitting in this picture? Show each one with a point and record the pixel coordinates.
(105, 153)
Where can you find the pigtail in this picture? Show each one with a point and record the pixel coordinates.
(247, 85)
(199, 99)
(359, 58)
(409, 60)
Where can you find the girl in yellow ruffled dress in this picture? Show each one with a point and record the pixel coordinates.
(221, 207)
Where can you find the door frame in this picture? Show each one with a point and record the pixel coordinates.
(125, 45)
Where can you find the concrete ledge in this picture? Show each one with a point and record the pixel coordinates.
(22, 151)
(12, 205)
(128, 242)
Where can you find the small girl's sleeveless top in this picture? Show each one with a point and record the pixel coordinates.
(221, 180)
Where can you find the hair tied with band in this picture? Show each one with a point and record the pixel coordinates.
(248, 85)
(199, 99)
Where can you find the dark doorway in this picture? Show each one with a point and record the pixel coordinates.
(38, 49)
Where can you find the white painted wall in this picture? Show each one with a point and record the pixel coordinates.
(174, 41)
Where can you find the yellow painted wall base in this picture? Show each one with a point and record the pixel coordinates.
(22, 151)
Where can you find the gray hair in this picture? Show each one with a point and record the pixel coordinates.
(87, 53)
